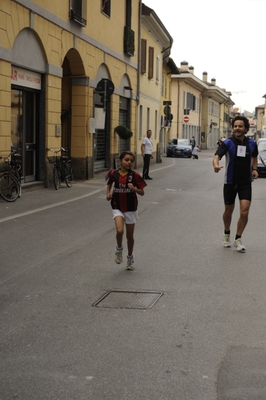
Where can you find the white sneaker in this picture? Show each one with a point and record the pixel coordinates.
(119, 255)
(239, 246)
(130, 263)
(226, 241)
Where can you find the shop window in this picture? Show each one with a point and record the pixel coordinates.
(78, 11)
(106, 7)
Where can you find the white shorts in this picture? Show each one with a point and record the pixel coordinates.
(130, 217)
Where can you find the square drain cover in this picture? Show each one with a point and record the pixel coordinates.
(128, 299)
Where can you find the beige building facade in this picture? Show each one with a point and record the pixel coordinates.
(68, 77)
(155, 49)
(200, 108)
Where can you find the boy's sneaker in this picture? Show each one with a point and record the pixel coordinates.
(239, 245)
(226, 241)
(119, 255)
(130, 263)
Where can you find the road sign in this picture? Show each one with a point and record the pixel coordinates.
(186, 118)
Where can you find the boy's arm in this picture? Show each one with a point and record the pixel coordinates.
(140, 192)
(109, 191)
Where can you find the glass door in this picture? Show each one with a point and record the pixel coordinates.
(30, 136)
(23, 130)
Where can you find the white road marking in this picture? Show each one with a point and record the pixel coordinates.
(50, 206)
(67, 201)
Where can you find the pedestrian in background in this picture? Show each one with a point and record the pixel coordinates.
(146, 151)
(195, 152)
(240, 169)
(123, 185)
(193, 142)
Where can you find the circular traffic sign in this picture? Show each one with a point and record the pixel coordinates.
(186, 119)
(105, 86)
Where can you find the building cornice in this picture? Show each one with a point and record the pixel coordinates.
(152, 23)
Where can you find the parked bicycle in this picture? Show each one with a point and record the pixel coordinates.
(10, 177)
(62, 171)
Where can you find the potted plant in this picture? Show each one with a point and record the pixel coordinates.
(123, 132)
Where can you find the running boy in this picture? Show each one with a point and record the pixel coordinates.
(123, 185)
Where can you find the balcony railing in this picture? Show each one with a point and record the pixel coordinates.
(77, 18)
(129, 41)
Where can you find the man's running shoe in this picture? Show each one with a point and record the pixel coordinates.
(239, 246)
(119, 255)
(226, 241)
(130, 263)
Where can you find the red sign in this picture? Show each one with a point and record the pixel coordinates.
(186, 119)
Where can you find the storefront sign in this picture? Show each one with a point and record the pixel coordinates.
(23, 77)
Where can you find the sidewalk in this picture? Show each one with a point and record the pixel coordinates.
(40, 198)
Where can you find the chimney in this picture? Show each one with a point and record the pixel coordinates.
(191, 69)
(213, 81)
(205, 76)
(184, 65)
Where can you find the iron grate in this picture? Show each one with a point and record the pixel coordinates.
(128, 299)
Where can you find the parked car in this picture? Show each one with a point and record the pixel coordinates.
(179, 148)
(262, 157)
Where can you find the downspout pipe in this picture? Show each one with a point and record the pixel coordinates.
(139, 51)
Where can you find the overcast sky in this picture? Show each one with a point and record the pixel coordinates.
(224, 38)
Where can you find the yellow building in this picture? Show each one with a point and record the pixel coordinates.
(68, 77)
(200, 109)
(156, 45)
(167, 116)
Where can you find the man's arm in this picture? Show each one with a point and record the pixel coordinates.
(215, 163)
(254, 166)
(142, 149)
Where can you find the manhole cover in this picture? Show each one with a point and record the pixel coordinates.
(128, 299)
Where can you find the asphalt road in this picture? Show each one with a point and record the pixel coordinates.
(203, 339)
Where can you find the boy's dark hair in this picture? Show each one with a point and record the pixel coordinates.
(241, 118)
(126, 153)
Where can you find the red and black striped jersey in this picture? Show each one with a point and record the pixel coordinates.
(125, 199)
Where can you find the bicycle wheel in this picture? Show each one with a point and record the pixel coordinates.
(9, 187)
(56, 174)
(18, 178)
(68, 172)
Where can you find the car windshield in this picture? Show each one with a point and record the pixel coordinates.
(262, 146)
(184, 142)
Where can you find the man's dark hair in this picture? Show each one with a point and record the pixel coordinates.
(241, 118)
(125, 153)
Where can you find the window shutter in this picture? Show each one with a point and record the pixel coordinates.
(143, 55)
(151, 62)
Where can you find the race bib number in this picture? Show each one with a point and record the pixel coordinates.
(241, 151)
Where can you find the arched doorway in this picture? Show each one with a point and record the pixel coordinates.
(73, 84)
(102, 113)
(125, 91)
(28, 104)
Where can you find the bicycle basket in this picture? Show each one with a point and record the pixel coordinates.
(51, 159)
(4, 166)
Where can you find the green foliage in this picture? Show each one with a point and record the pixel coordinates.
(123, 132)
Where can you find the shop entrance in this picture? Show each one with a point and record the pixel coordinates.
(24, 135)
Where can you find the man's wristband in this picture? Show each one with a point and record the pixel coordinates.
(254, 169)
